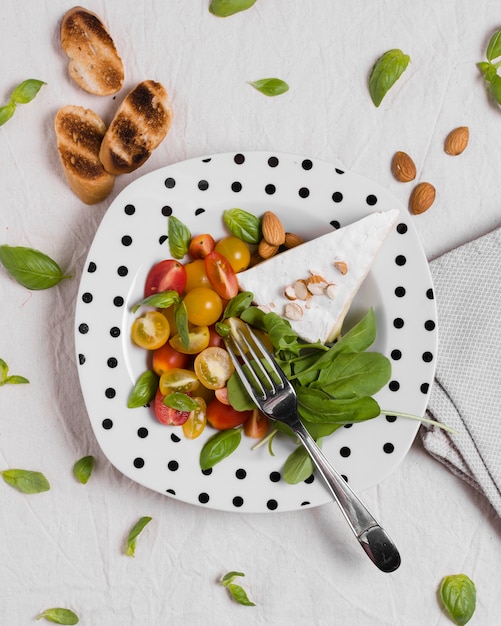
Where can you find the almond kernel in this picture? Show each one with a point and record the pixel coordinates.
(341, 267)
(403, 167)
(422, 197)
(266, 250)
(292, 240)
(272, 229)
(457, 140)
(294, 311)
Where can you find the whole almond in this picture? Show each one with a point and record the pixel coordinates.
(272, 228)
(457, 140)
(403, 167)
(422, 197)
(292, 240)
(266, 250)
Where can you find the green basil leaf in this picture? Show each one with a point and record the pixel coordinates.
(354, 375)
(459, 595)
(26, 91)
(315, 406)
(15, 380)
(488, 70)
(270, 86)
(59, 616)
(219, 446)
(180, 402)
(239, 594)
(225, 8)
(237, 394)
(26, 481)
(494, 47)
(222, 329)
(254, 317)
(238, 304)
(243, 225)
(181, 319)
(230, 577)
(4, 370)
(495, 88)
(6, 112)
(179, 237)
(83, 468)
(298, 466)
(385, 73)
(161, 300)
(144, 390)
(136, 530)
(31, 268)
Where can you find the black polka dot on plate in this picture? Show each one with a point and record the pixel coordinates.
(344, 477)
(199, 211)
(273, 161)
(83, 329)
(87, 298)
(241, 474)
(138, 462)
(427, 357)
(347, 425)
(170, 183)
(107, 424)
(142, 432)
(112, 362)
(110, 393)
(396, 355)
(304, 192)
(371, 199)
(394, 385)
(429, 325)
(203, 185)
(118, 301)
(388, 448)
(391, 418)
(122, 270)
(162, 239)
(310, 480)
(129, 209)
(400, 260)
(338, 171)
(425, 387)
(92, 267)
(402, 229)
(305, 503)
(272, 505)
(238, 501)
(166, 211)
(175, 438)
(398, 322)
(115, 331)
(81, 359)
(236, 186)
(203, 498)
(335, 224)
(429, 294)
(307, 164)
(171, 491)
(239, 159)
(173, 466)
(337, 196)
(270, 189)
(207, 472)
(275, 477)
(400, 292)
(345, 452)
(126, 240)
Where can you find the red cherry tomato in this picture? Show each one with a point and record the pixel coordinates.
(224, 416)
(166, 414)
(256, 426)
(201, 245)
(215, 338)
(166, 358)
(221, 275)
(165, 276)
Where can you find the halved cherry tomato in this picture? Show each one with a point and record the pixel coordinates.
(150, 331)
(166, 414)
(213, 367)
(196, 276)
(221, 275)
(165, 276)
(198, 340)
(222, 395)
(235, 251)
(201, 245)
(256, 425)
(178, 380)
(166, 358)
(195, 424)
(224, 416)
(203, 306)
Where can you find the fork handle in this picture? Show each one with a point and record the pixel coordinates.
(373, 539)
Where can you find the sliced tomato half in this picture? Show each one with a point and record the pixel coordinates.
(221, 275)
(165, 276)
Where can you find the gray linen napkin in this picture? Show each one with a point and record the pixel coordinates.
(466, 393)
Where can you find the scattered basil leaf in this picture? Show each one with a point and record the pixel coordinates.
(236, 591)
(494, 46)
(488, 70)
(298, 466)
(136, 530)
(219, 446)
(179, 237)
(161, 300)
(495, 88)
(237, 305)
(31, 268)
(83, 468)
(6, 112)
(270, 86)
(26, 91)
(59, 616)
(144, 390)
(225, 8)
(26, 481)
(459, 595)
(385, 73)
(222, 329)
(13, 379)
(181, 319)
(180, 402)
(243, 225)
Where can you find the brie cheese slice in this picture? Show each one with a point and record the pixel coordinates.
(313, 284)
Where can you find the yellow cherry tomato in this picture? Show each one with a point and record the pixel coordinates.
(213, 367)
(195, 424)
(235, 251)
(196, 276)
(203, 306)
(178, 380)
(198, 340)
(150, 331)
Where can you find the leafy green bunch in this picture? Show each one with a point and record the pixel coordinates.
(490, 67)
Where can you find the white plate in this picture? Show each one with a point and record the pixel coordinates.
(311, 197)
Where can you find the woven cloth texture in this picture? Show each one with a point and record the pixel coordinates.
(466, 394)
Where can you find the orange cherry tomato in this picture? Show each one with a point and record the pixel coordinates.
(221, 275)
(201, 245)
(198, 340)
(224, 416)
(196, 276)
(166, 358)
(165, 276)
(203, 306)
(166, 414)
(256, 426)
(195, 424)
(213, 367)
(150, 331)
(235, 251)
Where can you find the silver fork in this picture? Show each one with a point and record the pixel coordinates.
(273, 393)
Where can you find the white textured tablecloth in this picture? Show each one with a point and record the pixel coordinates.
(65, 547)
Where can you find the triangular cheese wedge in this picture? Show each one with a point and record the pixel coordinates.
(313, 284)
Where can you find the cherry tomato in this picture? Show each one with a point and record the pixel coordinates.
(166, 358)
(195, 424)
(224, 416)
(221, 275)
(150, 331)
(213, 367)
(166, 414)
(203, 306)
(235, 251)
(222, 395)
(165, 276)
(170, 314)
(196, 276)
(178, 379)
(198, 340)
(215, 338)
(201, 245)
(256, 426)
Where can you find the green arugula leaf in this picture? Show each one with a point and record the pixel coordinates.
(83, 468)
(161, 300)
(136, 530)
(31, 268)
(26, 91)
(459, 595)
(243, 225)
(26, 481)
(270, 86)
(219, 446)
(494, 46)
(225, 8)
(385, 73)
(144, 390)
(59, 616)
(179, 237)
(236, 591)
(180, 401)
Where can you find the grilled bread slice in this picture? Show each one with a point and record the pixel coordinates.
(94, 63)
(79, 135)
(140, 124)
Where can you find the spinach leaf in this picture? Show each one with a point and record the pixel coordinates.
(315, 405)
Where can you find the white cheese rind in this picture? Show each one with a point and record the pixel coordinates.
(356, 245)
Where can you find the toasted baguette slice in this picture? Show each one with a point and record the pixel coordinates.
(79, 135)
(94, 63)
(140, 124)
